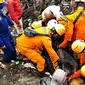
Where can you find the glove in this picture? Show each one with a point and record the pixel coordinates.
(55, 65)
(60, 63)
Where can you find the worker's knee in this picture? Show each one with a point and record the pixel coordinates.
(41, 61)
(41, 65)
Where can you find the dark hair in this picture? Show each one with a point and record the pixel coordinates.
(80, 4)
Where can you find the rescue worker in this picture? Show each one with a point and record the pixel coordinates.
(6, 39)
(75, 31)
(78, 46)
(31, 45)
(51, 12)
(15, 13)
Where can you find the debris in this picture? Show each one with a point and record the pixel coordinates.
(29, 65)
(3, 66)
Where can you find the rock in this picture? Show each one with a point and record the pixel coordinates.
(76, 81)
(29, 65)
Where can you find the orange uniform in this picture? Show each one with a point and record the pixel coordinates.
(31, 46)
(75, 33)
(76, 74)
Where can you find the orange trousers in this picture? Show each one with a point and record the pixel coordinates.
(34, 56)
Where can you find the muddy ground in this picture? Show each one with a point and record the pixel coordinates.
(17, 75)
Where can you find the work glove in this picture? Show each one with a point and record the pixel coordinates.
(60, 63)
(55, 65)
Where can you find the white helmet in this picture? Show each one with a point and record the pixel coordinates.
(51, 23)
(59, 77)
(55, 27)
(78, 46)
(60, 29)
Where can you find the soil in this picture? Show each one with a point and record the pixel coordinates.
(17, 75)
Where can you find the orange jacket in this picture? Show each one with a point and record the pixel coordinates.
(68, 33)
(37, 42)
(79, 31)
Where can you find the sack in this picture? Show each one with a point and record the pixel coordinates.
(69, 64)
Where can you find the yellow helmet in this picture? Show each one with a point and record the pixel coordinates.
(36, 24)
(60, 29)
(78, 46)
(80, 0)
(83, 70)
(2, 1)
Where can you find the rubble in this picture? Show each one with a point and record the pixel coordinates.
(16, 73)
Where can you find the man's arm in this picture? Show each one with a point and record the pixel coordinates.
(1, 43)
(9, 21)
(48, 45)
(12, 13)
(76, 74)
(68, 33)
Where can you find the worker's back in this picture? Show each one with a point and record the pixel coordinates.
(32, 42)
(79, 26)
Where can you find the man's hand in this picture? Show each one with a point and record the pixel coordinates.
(69, 79)
(3, 47)
(19, 25)
(44, 20)
(13, 27)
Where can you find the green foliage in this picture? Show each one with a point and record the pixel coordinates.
(39, 17)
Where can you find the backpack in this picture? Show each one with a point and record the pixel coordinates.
(30, 32)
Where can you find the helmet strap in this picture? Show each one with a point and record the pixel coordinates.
(53, 30)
